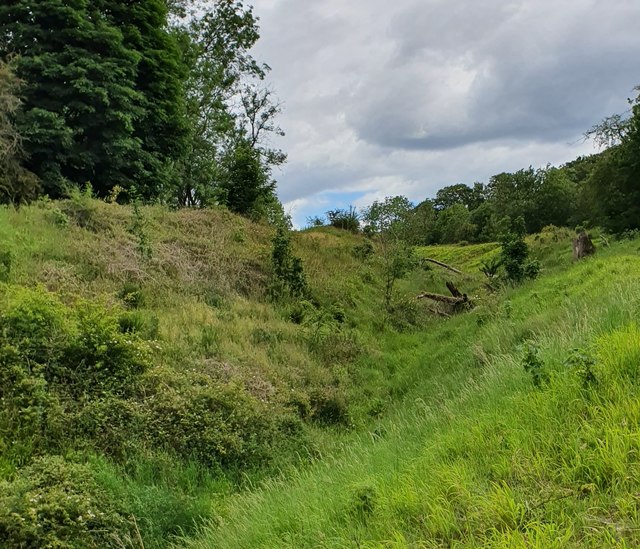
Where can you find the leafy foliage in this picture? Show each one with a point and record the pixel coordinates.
(514, 254)
(349, 220)
(55, 503)
(386, 221)
(287, 268)
(17, 185)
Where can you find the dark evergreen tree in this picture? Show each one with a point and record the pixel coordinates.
(162, 128)
(17, 185)
(103, 97)
(80, 97)
(243, 181)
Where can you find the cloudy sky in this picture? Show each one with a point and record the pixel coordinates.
(404, 97)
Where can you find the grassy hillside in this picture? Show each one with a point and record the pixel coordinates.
(158, 389)
(143, 351)
(520, 430)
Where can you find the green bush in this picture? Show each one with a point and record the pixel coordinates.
(30, 415)
(113, 426)
(330, 407)
(288, 269)
(514, 254)
(101, 358)
(34, 322)
(57, 504)
(215, 425)
(131, 295)
(6, 262)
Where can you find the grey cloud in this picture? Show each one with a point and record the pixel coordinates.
(541, 74)
(415, 94)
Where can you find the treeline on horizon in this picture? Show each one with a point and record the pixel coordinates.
(597, 190)
(161, 101)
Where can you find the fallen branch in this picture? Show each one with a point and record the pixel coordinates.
(443, 298)
(457, 298)
(442, 265)
(454, 291)
(437, 312)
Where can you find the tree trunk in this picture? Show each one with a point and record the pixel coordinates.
(456, 302)
(583, 246)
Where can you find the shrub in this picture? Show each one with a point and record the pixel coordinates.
(514, 254)
(82, 208)
(583, 365)
(349, 220)
(6, 262)
(363, 251)
(30, 414)
(115, 427)
(101, 358)
(53, 503)
(34, 322)
(288, 270)
(216, 425)
(131, 295)
(534, 365)
(329, 407)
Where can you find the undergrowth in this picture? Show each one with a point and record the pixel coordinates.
(156, 364)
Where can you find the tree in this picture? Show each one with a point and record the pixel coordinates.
(421, 224)
(80, 98)
(554, 202)
(386, 222)
(103, 98)
(469, 197)
(162, 127)
(228, 107)
(17, 185)
(243, 182)
(454, 225)
(613, 188)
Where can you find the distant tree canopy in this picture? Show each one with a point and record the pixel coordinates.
(160, 98)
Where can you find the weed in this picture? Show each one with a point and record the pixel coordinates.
(583, 364)
(6, 261)
(533, 365)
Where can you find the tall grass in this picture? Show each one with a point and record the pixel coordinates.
(475, 455)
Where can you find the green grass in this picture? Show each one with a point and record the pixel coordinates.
(474, 454)
(348, 427)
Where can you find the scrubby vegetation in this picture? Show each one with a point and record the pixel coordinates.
(518, 429)
(178, 367)
(153, 363)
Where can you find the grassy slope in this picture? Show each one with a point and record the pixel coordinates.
(436, 447)
(475, 455)
(198, 282)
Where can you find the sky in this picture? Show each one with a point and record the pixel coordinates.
(381, 98)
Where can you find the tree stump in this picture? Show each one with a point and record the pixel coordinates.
(583, 246)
